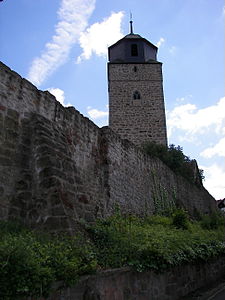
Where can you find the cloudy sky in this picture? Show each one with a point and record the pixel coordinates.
(61, 46)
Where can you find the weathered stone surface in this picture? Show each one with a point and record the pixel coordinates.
(57, 166)
(125, 284)
(138, 120)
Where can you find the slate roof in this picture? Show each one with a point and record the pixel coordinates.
(134, 36)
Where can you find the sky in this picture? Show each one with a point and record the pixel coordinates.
(61, 46)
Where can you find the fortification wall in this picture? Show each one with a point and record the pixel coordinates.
(142, 184)
(57, 167)
(51, 161)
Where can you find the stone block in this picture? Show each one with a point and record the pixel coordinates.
(2, 108)
(6, 161)
(53, 223)
(58, 211)
(46, 161)
(1, 191)
(13, 114)
(11, 124)
(48, 183)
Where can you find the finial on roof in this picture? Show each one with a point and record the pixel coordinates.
(131, 24)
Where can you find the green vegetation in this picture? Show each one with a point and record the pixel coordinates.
(163, 203)
(31, 262)
(156, 242)
(175, 159)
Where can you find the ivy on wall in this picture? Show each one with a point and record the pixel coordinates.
(164, 203)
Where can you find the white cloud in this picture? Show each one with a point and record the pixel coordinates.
(218, 149)
(97, 38)
(173, 50)
(183, 99)
(191, 120)
(96, 114)
(59, 94)
(73, 19)
(203, 127)
(215, 180)
(160, 42)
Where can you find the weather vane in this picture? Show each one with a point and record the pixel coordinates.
(131, 24)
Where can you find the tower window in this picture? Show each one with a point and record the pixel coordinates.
(135, 69)
(134, 50)
(136, 95)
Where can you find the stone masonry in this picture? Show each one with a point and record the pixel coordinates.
(57, 167)
(138, 120)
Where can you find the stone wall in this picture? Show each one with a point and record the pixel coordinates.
(57, 167)
(124, 284)
(51, 158)
(139, 183)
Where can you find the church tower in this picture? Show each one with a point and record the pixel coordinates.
(136, 102)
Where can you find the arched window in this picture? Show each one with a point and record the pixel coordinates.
(136, 95)
(134, 50)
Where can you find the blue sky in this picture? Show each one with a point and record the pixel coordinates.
(61, 46)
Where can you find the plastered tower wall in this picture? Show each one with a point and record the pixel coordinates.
(57, 167)
(138, 120)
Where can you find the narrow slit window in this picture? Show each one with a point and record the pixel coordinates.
(134, 50)
(136, 95)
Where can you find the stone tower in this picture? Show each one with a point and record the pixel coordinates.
(136, 102)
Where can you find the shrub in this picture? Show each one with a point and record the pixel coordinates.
(154, 242)
(180, 219)
(214, 221)
(175, 159)
(158, 219)
(22, 270)
(30, 263)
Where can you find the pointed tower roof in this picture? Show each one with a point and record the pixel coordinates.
(132, 48)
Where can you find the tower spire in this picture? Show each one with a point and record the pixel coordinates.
(131, 24)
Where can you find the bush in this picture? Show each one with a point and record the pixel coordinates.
(154, 242)
(22, 270)
(30, 263)
(214, 221)
(175, 159)
(180, 219)
(158, 219)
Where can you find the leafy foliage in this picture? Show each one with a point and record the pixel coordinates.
(156, 242)
(30, 263)
(175, 159)
(180, 219)
(215, 221)
(163, 203)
